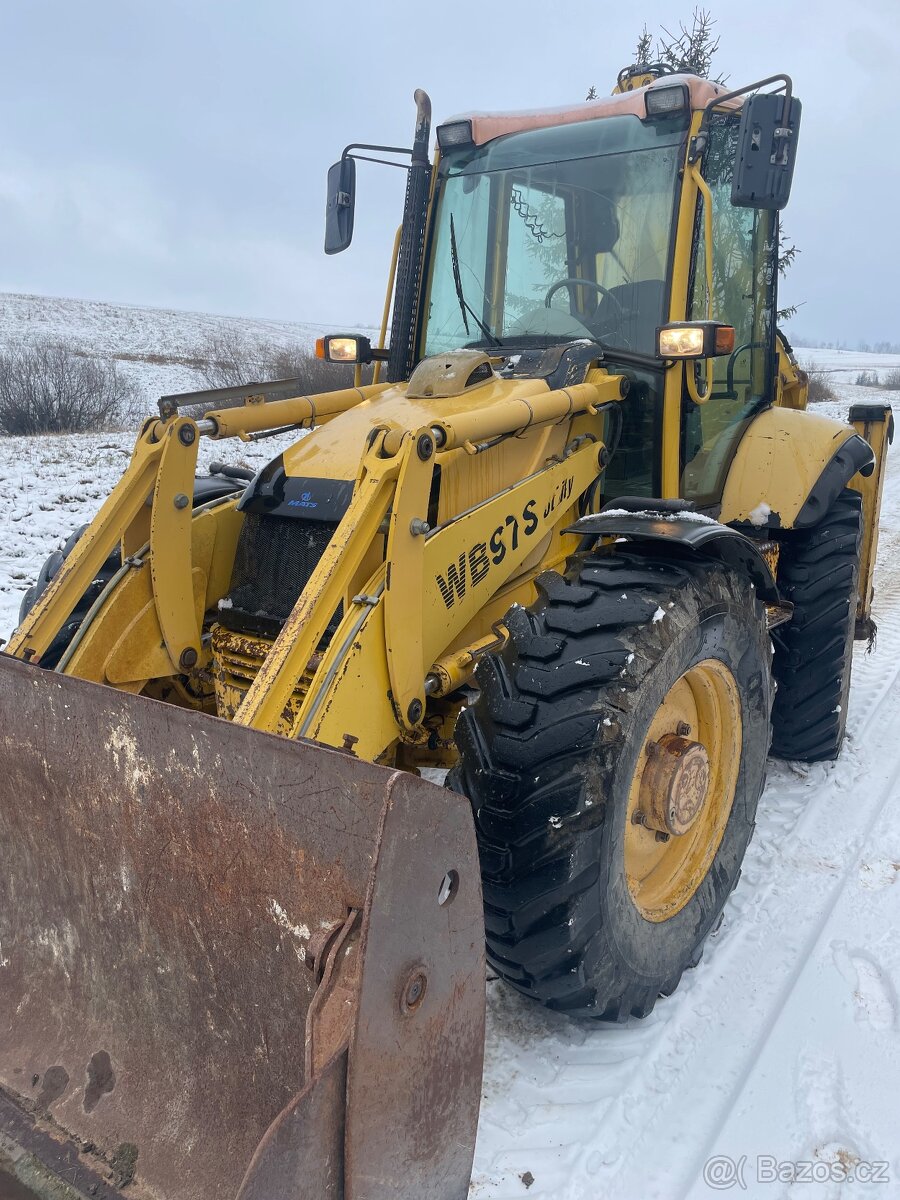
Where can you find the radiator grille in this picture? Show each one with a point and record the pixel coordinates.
(274, 560)
(236, 659)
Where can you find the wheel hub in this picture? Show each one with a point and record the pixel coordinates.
(674, 784)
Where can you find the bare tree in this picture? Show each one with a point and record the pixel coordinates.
(819, 386)
(232, 357)
(46, 387)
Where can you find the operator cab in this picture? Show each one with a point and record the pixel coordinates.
(609, 224)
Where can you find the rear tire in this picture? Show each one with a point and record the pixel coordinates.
(819, 575)
(551, 755)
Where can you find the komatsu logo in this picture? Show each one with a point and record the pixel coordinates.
(305, 501)
(475, 564)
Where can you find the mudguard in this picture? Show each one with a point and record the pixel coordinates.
(672, 523)
(789, 467)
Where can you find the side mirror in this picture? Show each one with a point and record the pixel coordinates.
(767, 148)
(339, 206)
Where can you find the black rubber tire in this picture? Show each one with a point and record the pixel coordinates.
(547, 754)
(818, 573)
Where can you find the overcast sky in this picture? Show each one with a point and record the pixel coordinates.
(174, 153)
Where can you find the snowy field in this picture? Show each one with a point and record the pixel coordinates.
(158, 349)
(783, 1045)
(845, 365)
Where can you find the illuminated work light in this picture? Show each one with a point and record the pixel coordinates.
(348, 348)
(661, 101)
(454, 133)
(694, 339)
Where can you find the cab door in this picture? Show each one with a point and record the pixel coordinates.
(744, 289)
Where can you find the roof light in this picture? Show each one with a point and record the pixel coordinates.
(661, 101)
(454, 133)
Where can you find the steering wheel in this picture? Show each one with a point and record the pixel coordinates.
(598, 287)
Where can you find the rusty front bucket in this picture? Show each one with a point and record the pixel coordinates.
(230, 964)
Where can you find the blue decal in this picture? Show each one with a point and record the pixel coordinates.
(305, 501)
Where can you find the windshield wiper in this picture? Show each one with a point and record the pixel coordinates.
(464, 306)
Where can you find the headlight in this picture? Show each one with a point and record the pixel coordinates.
(694, 339)
(454, 133)
(344, 348)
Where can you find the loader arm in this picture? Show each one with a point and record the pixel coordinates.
(149, 510)
(434, 583)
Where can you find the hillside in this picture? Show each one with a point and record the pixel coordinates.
(163, 350)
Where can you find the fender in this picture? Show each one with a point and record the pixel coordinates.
(789, 468)
(673, 522)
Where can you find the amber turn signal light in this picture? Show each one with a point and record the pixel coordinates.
(694, 339)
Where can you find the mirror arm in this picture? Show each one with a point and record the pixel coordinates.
(698, 142)
(384, 150)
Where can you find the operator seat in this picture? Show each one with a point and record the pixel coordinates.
(642, 313)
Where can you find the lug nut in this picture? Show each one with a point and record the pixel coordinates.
(682, 729)
(181, 500)
(418, 527)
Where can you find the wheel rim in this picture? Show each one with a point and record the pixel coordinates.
(683, 789)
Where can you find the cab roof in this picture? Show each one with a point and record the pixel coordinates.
(487, 126)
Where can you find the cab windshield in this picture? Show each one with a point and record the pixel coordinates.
(555, 234)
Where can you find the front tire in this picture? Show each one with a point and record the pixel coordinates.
(586, 909)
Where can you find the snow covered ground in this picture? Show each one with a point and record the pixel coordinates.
(845, 365)
(783, 1043)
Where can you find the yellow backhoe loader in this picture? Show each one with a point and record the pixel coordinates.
(566, 548)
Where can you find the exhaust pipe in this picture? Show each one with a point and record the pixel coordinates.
(412, 243)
